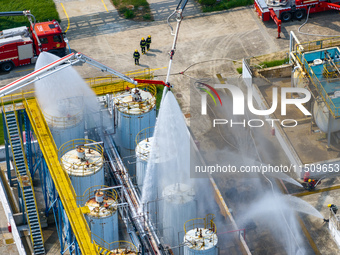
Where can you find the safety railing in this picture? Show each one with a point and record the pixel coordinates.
(143, 105)
(318, 44)
(144, 134)
(74, 107)
(27, 178)
(206, 223)
(335, 111)
(27, 181)
(14, 99)
(118, 247)
(102, 80)
(83, 167)
(90, 194)
(329, 71)
(60, 178)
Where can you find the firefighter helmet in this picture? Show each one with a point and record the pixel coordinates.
(309, 180)
(149, 36)
(136, 50)
(142, 38)
(329, 205)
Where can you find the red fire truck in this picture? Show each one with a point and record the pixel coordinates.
(21, 46)
(286, 10)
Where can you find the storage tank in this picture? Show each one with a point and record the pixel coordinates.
(200, 236)
(135, 109)
(321, 116)
(178, 207)
(123, 247)
(83, 160)
(103, 215)
(66, 121)
(143, 148)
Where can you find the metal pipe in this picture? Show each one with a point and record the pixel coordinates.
(103, 67)
(26, 80)
(130, 194)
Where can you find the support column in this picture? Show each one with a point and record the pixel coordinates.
(6, 140)
(28, 144)
(330, 124)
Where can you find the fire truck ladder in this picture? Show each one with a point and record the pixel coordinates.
(25, 181)
(60, 178)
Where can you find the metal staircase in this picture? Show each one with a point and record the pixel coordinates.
(25, 182)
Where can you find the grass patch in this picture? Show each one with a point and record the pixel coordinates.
(43, 10)
(138, 10)
(267, 64)
(273, 63)
(159, 94)
(213, 5)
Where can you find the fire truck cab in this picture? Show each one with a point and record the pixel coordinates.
(21, 46)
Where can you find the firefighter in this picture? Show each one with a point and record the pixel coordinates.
(148, 42)
(333, 208)
(136, 56)
(313, 182)
(310, 185)
(142, 45)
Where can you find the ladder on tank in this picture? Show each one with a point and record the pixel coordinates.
(25, 181)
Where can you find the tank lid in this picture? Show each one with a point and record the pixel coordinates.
(105, 208)
(134, 101)
(200, 239)
(178, 193)
(82, 162)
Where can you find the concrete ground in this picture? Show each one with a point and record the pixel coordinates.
(96, 29)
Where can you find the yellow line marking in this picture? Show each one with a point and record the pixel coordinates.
(105, 6)
(309, 237)
(306, 193)
(219, 76)
(68, 20)
(25, 70)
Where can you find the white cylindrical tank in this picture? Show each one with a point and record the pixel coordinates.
(321, 117)
(103, 215)
(135, 109)
(66, 121)
(200, 237)
(83, 160)
(142, 155)
(179, 206)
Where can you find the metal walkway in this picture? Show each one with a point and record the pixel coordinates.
(25, 181)
(60, 178)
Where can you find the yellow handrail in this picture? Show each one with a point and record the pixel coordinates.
(318, 44)
(81, 166)
(117, 245)
(60, 178)
(334, 111)
(205, 223)
(145, 105)
(89, 194)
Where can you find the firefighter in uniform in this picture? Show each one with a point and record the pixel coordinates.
(136, 56)
(142, 45)
(148, 42)
(333, 208)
